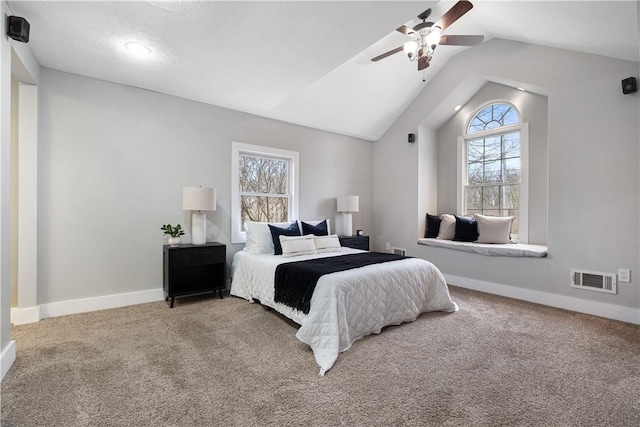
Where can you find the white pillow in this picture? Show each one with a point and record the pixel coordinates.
(493, 229)
(259, 239)
(325, 244)
(297, 245)
(447, 227)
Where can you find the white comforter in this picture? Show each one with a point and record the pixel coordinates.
(350, 304)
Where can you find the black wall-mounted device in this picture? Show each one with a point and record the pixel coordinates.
(18, 28)
(629, 85)
(412, 138)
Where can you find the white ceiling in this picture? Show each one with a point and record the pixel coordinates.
(302, 62)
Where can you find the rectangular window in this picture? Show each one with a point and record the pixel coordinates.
(493, 170)
(264, 186)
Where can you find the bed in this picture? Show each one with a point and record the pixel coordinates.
(345, 305)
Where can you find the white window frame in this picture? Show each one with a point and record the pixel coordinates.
(523, 127)
(238, 235)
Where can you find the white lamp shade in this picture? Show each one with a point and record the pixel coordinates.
(410, 47)
(348, 204)
(433, 38)
(198, 199)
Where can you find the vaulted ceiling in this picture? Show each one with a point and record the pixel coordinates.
(303, 62)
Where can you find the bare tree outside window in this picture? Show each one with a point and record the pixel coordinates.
(494, 164)
(264, 186)
(264, 189)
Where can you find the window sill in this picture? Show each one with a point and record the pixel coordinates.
(490, 249)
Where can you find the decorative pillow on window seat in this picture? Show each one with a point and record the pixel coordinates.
(466, 229)
(447, 227)
(433, 226)
(493, 229)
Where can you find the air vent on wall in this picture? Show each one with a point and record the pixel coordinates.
(594, 281)
(399, 251)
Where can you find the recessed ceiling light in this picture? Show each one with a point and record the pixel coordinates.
(521, 88)
(457, 107)
(137, 48)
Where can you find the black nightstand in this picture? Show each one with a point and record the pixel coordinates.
(355, 242)
(193, 269)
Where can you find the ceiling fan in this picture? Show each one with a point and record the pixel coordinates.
(426, 36)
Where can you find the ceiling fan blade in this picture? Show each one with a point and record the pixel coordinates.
(404, 30)
(384, 55)
(454, 14)
(461, 40)
(422, 63)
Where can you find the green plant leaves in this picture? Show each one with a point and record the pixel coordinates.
(176, 231)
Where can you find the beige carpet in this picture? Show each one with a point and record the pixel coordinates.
(211, 362)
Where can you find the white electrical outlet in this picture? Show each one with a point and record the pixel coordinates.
(387, 246)
(624, 275)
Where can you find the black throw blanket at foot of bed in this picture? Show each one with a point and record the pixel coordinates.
(296, 281)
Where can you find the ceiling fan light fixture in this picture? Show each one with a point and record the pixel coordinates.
(426, 36)
(410, 48)
(433, 38)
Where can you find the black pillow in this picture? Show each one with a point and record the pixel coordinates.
(320, 229)
(276, 232)
(433, 226)
(466, 229)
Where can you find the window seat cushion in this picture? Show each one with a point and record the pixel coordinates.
(492, 249)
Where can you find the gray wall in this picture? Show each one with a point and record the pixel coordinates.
(593, 169)
(114, 159)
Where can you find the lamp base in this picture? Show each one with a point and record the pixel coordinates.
(198, 228)
(347, 228)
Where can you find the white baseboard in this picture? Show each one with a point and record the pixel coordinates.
(601, 309)
(7, 357)
(21, 316)
(63, 308)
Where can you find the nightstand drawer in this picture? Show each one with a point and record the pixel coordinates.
(197, 256)
(355, 242)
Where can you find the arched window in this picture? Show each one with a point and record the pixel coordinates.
(493, 116)
(493, 165)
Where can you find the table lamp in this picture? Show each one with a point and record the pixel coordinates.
(346, 205)
(197, 200)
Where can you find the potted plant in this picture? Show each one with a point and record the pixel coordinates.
(174, 233)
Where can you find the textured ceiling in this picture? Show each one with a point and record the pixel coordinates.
(302, 62)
